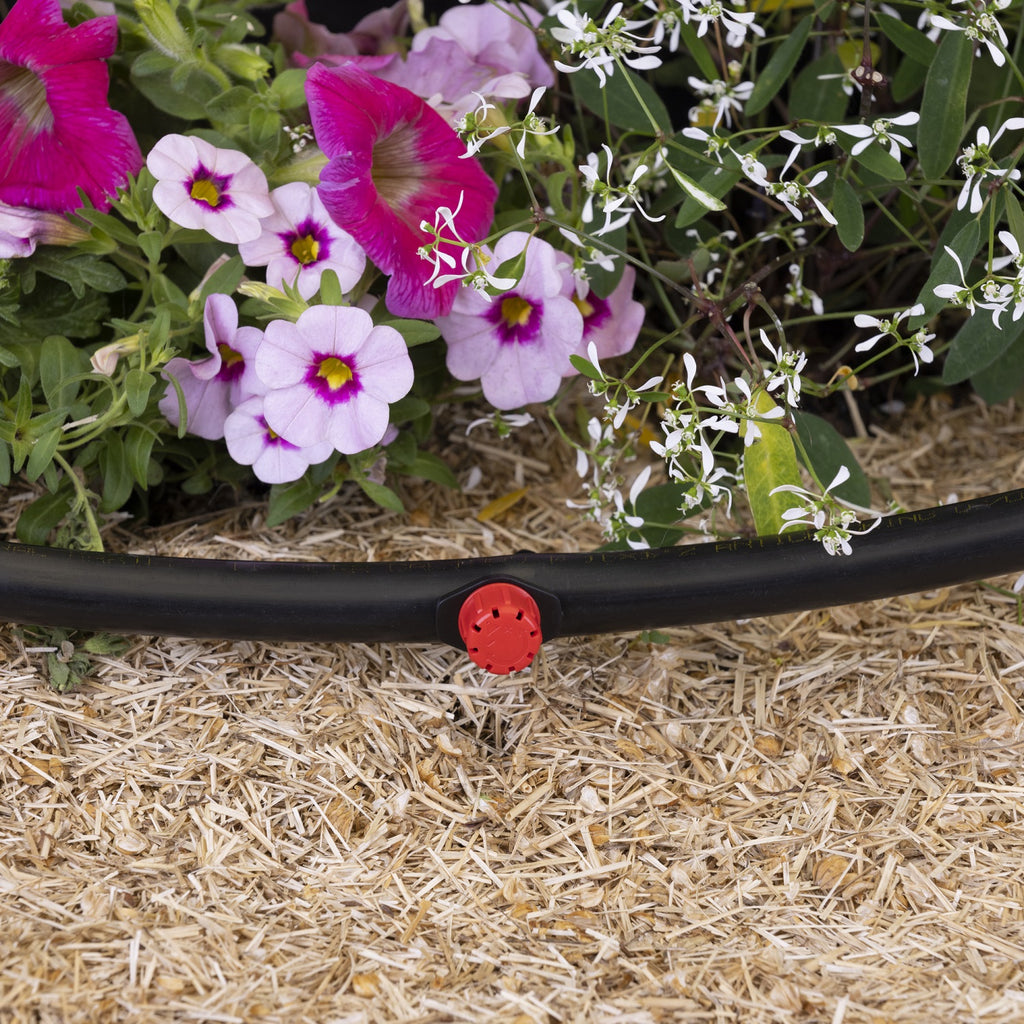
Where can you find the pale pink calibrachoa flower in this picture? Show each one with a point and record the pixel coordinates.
(612, 324)
(394, 162)
(213, 387)
(59, 133)
(299, 241)
(518, 343)
(250, 442)
(219, 191)
(331, 376)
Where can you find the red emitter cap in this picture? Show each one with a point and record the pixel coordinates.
(500, 626)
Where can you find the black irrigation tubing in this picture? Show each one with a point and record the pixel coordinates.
(572, 594)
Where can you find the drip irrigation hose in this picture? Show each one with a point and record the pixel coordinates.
(500, 608)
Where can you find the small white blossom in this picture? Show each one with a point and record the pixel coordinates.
(880, 131)
(976, 163)
(600, 47)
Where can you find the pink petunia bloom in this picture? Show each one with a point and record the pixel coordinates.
(213, 387)
(59, 133)
(299, 241)
(331, 376)
(393, 162)
(302, 38)
(517, 343)
(612, 324)
(251, 442)
(219, 191)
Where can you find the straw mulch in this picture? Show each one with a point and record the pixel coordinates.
(812, 817)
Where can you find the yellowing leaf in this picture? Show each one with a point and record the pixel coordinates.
(495, 508)
(768, 463)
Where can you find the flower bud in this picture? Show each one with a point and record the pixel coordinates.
(242, 61)
(162, 26)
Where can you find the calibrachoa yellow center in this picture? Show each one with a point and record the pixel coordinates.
(335, 372)
(515, 311)
(205, 191)
(306, 249)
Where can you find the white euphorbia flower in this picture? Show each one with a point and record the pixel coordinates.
(976, 163)
(981, 25)
(880, 131)
(600, 47)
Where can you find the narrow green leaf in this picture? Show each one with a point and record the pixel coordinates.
(225, 279)
(415, 332)
(827, 450)
(850, 214)
(778, 69)
(698, 50)
(585, 367)
(1015, 216)
(944, 104)
(138, 447)
(42, 453)
(330, 289)
(117, 477)
(876, 159)
(977, 345)
(428, 466)
(768, 463)
(914, 44)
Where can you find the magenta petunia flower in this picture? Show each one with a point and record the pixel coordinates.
(393, 162)
(518, 343)
(299, 241)
(59, 133)
(331, 376)
(219, 191)
(213, 387)
(251, 442)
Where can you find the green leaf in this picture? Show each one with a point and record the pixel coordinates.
(944, 270)
(876, 159)
(849, 213)
(59, 363)
(698, 51)
(428, 466)
(977, 345)
(814, 97)
(183, 90)
(944, 104)
(224, 280)
(619, 102)
(330, 289)
(586, 367)
(768, 463)
(381, 495)
(287, 500)
(415, 332)
(779, 68)
(117, 477)
(1004, 377)
(827, 450)
(137, 386)
(1015, 217)
(138, 448)
(914, 44)
(42, 452)
(289, 88)
(39, 518)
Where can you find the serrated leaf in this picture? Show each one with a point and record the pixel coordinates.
(769, 462)
(827, 450)
(779, 68)
(849, 213)
(944, 104)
